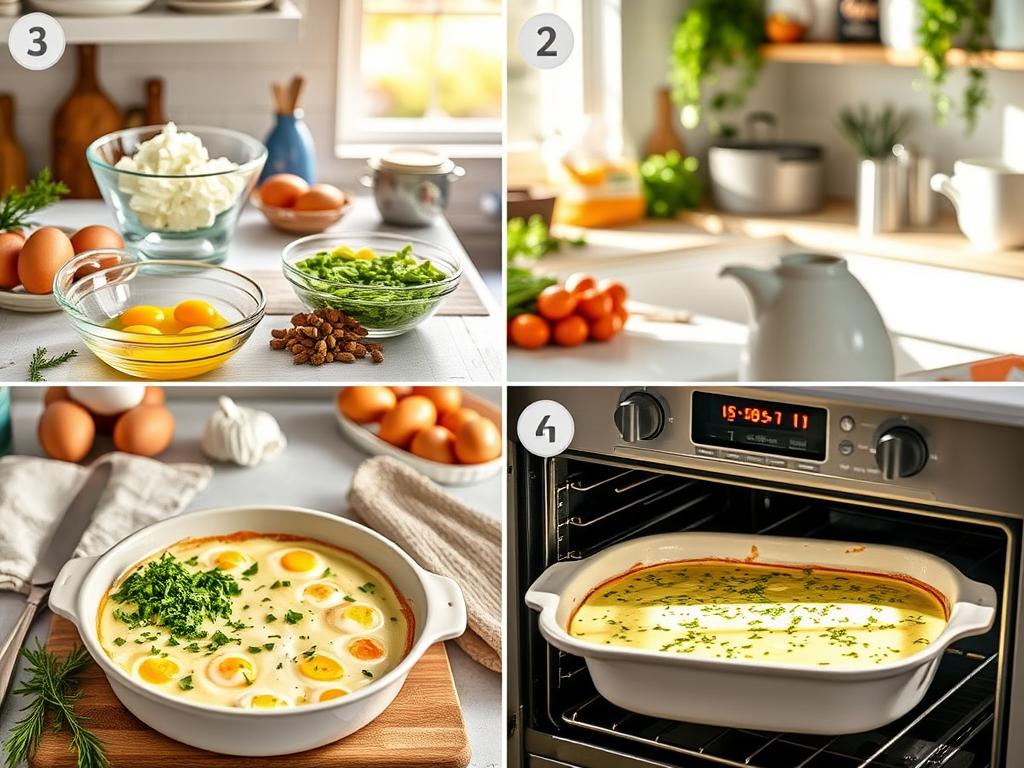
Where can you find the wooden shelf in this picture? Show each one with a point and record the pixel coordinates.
(834, 229)
(860, 53)
(160, 24)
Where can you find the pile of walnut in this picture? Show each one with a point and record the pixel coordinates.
(325, 336)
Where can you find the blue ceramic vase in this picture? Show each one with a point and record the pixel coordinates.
(290, 148)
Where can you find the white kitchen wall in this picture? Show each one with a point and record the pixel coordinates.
(807, 99)
(229, 85)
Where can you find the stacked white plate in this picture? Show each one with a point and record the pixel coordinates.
(92, 7)
(218, 6)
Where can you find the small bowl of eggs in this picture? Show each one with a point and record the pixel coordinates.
(317, 623)
(291, 205)
(28, 263)
(158, 319)
(449, 435)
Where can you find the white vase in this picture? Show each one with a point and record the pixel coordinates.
(1008, 24)
(898, 21)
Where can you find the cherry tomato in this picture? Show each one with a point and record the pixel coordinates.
(529, 331)
(555, 302)
(615, 289)
(623, 314)
(571, 331)
(595, 304)
(579, 282)
(605, 327)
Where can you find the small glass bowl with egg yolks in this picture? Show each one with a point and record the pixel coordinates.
(99, 290)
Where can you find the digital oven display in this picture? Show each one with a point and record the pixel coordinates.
(798, 431)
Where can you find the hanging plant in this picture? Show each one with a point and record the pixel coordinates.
(941, 22)
(713, 36)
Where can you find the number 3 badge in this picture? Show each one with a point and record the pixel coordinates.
(36, 41)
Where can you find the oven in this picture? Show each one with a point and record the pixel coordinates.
(902, 466)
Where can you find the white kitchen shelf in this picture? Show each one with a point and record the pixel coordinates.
(160, 24)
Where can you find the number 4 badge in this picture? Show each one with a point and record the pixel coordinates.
(545, 428)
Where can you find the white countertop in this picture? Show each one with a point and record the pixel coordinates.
(937, 317)
(445, 348)
(327, 463)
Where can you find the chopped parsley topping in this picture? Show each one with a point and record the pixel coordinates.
(292, 617)
(185, 683)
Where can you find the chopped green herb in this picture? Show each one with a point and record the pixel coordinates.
(185, 683)
(292, 617)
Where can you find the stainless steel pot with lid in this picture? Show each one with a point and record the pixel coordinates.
(411, 184)
(762, 175)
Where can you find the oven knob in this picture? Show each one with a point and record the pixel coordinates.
(639, 417)
(901, 452)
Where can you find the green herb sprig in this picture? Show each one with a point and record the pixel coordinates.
(40, 362)
(166, 594)
(941, 22)
(16, 207)
(50, 685)
(874, 134)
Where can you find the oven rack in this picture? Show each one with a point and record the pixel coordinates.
(958, 709)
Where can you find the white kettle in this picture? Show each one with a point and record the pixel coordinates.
(812, 321)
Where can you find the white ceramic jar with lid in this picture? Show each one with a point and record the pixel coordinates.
(411, 184)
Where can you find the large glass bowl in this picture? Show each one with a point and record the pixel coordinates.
(383, 310)
(122, 279)
(211, 202)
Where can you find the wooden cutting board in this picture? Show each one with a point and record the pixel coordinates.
(422, 727)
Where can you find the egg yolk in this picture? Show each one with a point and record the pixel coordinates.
(266, 701)
(366, 649)
(228, 559)
(321, 668)
(232, 665)
(333, 693)
(142, 315)
(196, 329)
(158, 671)
(195, 312)
(298, 560)
(363, 615)
(146, 329)
(319, 592)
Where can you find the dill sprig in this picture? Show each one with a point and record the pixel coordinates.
(16, 207)
(40, 362)
(49, 684)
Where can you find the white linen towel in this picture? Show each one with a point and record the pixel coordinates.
(35, 493)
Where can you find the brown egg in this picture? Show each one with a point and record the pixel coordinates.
(46, 251)
(412, 414)
(454, 420)
(477, 441)
(145, 431)
(66, 431)
(93, 238)
(11, 244)
(447, 399)
(154, 396)
(282, 190)
(320, 197)
(434, 443)
(401, 392)
(55, 395)
(365, 405)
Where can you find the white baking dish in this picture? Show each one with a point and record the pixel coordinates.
(437, 605)
(752, 694)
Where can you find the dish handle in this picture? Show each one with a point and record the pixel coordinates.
(67, 586)
(446, 611)
(546, 592)
(975, 611)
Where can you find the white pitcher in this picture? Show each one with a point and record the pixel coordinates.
(988, 195)
(812, 321)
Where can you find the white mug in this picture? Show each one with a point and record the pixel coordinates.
(988, 196)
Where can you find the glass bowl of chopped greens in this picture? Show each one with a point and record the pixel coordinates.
(389, 283)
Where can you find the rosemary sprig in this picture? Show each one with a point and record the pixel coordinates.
(49, 684)
(16, 207)
(40, 362)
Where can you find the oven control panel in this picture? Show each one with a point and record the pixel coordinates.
(779, 433)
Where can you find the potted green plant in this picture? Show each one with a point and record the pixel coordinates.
(944, 24)
(715, 36)
(881, 189)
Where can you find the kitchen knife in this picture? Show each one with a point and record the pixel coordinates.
(57, 551)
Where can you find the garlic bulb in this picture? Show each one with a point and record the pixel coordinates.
(242, 435)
